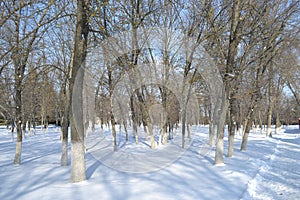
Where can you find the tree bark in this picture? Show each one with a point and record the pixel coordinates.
(231, 84)
(260, 122)
(219, 122)
(19, 72)
(134, 120)
(247, 130)
(113, 124)
(271, 103)
(112, 117)
(231, 130)
(29, 127)
(65, 132)
(212, 134)
(183, 121)
(219, 158)
(145, 113)
(278, 123)
(78, 168)
(17, 159)
(269, 119)
(164, 118)
(125, 127)
(186, 92)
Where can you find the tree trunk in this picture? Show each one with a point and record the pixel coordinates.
(238, 127)
(269, 120)
(165, 115)
(42, 121)
(29, 127)
(134, 120)
(278, 123)
(213, 131)
(271, 103)
(232, 113)
(64, 153)
(112, 117)
(145, 116)
(183, 128)
(101, 121)
(23, 128)
(186, 96)
(248, 123)
(231, 84)
(77, 133)
(219, 158)
(24, 121)
(212, 134)
(135, 132)
(245, 135)
(125, 127)
(113, 130)
(12, 129)
(65, 132)
(171, 127)
(33, 124)
(47, 123)
(150, 127)
(165, 133)
(260, 122)
(188, 130)
(78, 168)
(219, 122)
(230, 142)
(17, 159)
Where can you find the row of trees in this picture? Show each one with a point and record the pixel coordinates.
(251, 48)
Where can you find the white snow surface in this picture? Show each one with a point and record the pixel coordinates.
(268, 169)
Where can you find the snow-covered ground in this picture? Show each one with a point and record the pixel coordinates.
(269, 169)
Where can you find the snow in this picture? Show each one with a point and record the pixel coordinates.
(268, 169)
(280, 177)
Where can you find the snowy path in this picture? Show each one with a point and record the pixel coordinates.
(280, 177)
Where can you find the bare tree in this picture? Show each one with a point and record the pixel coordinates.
(24, 26)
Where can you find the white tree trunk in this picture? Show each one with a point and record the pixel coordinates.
(64, 154)
(17, 159)
(219, 160)
(268, 134)
(78, 168)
